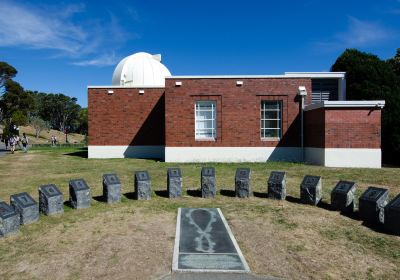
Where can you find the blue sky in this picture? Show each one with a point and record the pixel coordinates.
(64, 46)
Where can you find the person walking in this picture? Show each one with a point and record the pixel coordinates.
(12, 143)
(25, 142)
(6, 141)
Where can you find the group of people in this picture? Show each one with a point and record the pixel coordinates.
(53, 140)
(13, 141)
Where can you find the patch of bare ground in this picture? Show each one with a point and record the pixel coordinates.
(123, 243)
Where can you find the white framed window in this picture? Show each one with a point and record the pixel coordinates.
(205, 120)
(271, 119)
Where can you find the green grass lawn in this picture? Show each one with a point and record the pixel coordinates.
(283, 239)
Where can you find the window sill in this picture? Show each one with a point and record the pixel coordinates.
(205, 139)
(271, 139)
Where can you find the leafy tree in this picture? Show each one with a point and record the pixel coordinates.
(7, 72)
(16, 99)
(19, 118)
(39, 125)
(395, 62)
(370, 78)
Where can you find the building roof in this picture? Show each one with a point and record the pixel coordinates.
(140, 70)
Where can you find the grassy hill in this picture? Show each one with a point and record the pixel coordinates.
(45, 136)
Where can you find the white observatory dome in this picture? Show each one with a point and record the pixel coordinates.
(140, 70)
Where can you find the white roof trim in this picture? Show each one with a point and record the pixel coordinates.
(316, 74)
(285, 75)
(110, 86)
(346, 104)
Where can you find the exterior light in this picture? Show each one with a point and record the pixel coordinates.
(239, 83)
(302, 91)
(110, 92)
(178, 84)
(141, 92)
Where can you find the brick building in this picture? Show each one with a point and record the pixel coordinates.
(148, 113)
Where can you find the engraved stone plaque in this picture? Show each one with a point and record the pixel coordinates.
(208, 187)
(142, 185)
(277, 185)
(26, 207)
(111, 188)
(311, 190)
(242, 182)
(9, 220)
(79, 194)
(343, 196)
(204, 242)
(51, 200)
(372, 203)
(174, 182)
(392, 216)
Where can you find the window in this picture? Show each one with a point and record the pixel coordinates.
(205, 120)
(271, 119)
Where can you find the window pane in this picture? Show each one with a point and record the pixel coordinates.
(271, 121)
(205, 115)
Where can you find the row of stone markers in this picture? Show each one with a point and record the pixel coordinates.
(373, 203)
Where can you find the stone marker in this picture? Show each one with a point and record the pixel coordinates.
(142, 185)
(372, 204)
(111, 188)
(343, 196)
(51, 200)
(208, 188)
(26, 207)
(277, 185)
(242, 182)
(9, 219)
(392, 216)
(174, 182)
(311, 190)
(79, 194)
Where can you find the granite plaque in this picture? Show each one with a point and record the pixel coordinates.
(111, 188)
(51, 200)
(343, 196)
(174, 182)
(372, 203)
(242, 182)
(392, 216)
(79, 194)
(277, 185)
(311, 190)
(9, 220)
(208, 187)
(26, 207)
(204, 242)
(142, 185)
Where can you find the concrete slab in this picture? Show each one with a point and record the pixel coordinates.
(205, 243)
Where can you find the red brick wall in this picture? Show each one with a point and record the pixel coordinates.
(125, 117)
(353, 128)
(238, 110)
(343, 128)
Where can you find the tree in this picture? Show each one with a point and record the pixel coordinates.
(39, 125)
(7, 72)
(15, 98)
(370, 78)
(395, 62)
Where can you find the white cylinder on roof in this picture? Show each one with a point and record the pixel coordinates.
(140, 70)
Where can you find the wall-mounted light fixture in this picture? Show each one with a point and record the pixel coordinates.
(302, 91)
(178, 84)
(239, 83)
(110, 92)
(141, 92)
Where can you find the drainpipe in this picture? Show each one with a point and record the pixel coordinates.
(302, 92)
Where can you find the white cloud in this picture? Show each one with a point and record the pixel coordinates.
(358, 34)
(103, 60)
(56, 28)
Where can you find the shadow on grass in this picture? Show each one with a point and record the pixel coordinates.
(293, 199)
(130, 195)
(194, 193)
(162, 193)
(229, 193)
(100, 198)
(68, 204)
(82, 153)
(260, 194)
(325, 206)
